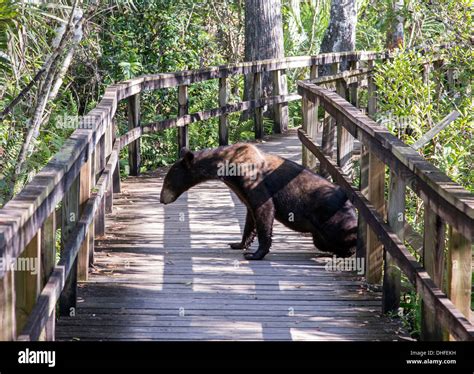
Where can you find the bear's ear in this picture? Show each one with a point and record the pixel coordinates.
(187, 156)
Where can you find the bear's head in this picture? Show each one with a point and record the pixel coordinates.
(181, 177)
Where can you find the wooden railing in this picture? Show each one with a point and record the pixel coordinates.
(82, 177)
(446, 297)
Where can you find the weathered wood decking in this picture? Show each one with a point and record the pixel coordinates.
(167, 273)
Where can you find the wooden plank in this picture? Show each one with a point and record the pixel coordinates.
(376, 192)
(84, 195)
(70, 217)
(436, 129)
(396, 220)
(371, 91)
(99, 223)
(433, 261)
(109, 143)
(187, 119)
(28, 280)
(24, 215)
(363, 188)
(311, 125)
(329, 129)
(92, 226)
(223, 119)
(459, 277)
(345, 141)
(7, 306)
(354, 87)
(183, 107)
(280, 111)
(116, 183)
(68, 262)
(134, 121)
(457, 324)
(258, 112)
(48, 261)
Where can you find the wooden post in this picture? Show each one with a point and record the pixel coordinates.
(311, 125)
(109, 192)
(224, 118)
(396, 220)
(133, 122)
(280, 87)
(433, 261)
(99, 221)
(354, 87)
(28, 280)
(258, 113)
(183, 107)
(48, 261)
(329, 129)
(117, 188)
(70, 217)
(374, 250)
(372, 90)
(459, 277)
(84, 195)
(92, 225)
(7, 305)
(364, 189)
(345, 141)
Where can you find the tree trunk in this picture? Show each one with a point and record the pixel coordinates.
(263, 37)
(340, 35)
(395, 34)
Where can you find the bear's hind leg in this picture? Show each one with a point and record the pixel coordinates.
(264, 217)
(248, 235)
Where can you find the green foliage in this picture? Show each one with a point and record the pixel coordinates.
(410, 107)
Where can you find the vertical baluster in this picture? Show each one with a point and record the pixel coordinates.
(224, 118)
(28, 280)
(374, 250)
(134, 158)
(396, 220)
(48, 261)
(459, 277)
(329, 128)
(280, 110)
(109, 192)
(99, 223)
(345, 141)
(84, 195)
(183, 107)
(70, 217)
(92, 230)
(311, 125)
(116, 176)
(433, 261)
(7, 305)
(258, 112)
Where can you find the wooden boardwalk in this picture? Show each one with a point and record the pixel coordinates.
(167, 273)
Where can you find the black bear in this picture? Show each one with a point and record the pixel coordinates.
(271, 187)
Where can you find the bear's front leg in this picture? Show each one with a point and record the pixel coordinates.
(249, 233)
(264, 216)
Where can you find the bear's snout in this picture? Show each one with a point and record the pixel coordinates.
(167, 196)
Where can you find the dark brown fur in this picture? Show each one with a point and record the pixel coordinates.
(276, 189)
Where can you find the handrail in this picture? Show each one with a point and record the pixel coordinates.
(93, 146)
(447, 198)
(21, 217)
(445, 203)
